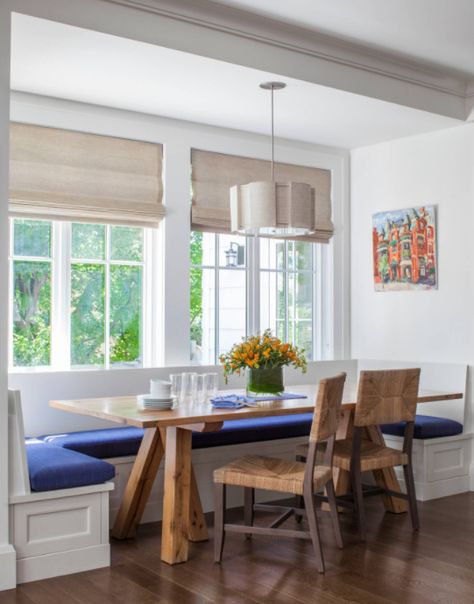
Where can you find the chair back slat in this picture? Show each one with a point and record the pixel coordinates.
(328, 408)
(387, 396)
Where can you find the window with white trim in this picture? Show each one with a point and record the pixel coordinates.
(243, 285)
(80, 295)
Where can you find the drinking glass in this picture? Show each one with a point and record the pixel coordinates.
(198, 388)
(186, 393)
(211, 381)
(176, 380)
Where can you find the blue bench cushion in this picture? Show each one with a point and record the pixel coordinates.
(240, 431)
(426, 426)
(103, 444)
(51, 468)
(120, 442)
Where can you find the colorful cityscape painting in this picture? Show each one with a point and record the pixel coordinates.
(404, 248)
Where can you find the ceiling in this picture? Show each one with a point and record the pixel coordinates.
(436, 31)
(67, 62)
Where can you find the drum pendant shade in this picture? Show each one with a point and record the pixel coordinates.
(272, 208)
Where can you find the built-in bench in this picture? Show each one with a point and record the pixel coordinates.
(443, 439)
(441, 461)
(59, 505)
(437, 462)
(120, 442)
(426, 426)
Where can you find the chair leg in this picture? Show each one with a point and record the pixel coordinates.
(219, 513)
(310, 505)
(249, 501)
(356, 483)
(299, 498)
(410, 484)
(334, 514)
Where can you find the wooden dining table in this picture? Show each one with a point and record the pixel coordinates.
(168, 434)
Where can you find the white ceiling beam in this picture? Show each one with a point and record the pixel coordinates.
(251, 40)
(220, 32)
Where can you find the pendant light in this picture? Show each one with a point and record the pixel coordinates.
(272, 208)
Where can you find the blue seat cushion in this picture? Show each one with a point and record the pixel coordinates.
(51, 468)
(240, 431)
(426, 426)
(103, 444)
(121, 442)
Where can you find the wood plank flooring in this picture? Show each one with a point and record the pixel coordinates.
(395, 565)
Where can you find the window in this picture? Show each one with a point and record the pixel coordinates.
(244, 285)
(218, 294)
(31, 270)
(79, 294)
(287, 291)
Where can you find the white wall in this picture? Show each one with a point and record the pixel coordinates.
(433, 169)
(7, 553)
(437, 325)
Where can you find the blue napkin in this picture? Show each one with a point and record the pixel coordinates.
(237, 401)
(229, 401)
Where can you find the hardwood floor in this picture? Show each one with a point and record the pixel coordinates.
(395, 565)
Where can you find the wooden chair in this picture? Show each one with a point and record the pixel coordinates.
(293, 477)
(383, 397)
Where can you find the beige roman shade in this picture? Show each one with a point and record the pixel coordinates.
(68, 175)
(214, 173)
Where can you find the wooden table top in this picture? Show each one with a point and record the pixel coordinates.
(124, 409)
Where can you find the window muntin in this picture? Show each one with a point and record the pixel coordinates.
(77, 294)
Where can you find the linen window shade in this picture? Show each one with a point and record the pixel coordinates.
(214, 173)
(69, 175)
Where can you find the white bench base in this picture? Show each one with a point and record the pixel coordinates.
(205, 461)
(441, 465)
(60, 532)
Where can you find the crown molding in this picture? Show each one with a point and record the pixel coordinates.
(250, 26)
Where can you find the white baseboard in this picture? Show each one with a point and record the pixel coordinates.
(7, 567)
(471, 482)
(441, 465)
(425, 491)
(63, 563)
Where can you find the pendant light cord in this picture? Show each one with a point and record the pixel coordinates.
(273, 137)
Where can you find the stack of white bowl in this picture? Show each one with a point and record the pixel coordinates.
(159, 397)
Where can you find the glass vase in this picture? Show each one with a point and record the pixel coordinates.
(265, 381)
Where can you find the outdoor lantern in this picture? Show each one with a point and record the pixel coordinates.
(231, 255)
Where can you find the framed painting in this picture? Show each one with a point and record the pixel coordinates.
(404, 249)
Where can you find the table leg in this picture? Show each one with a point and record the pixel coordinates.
(386, 478)
(341, 478)
(197, 529)
(139, 485)
(177, 496)
(342, 482)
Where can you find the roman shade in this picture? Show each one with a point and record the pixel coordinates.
(69, 175)
(214, 173)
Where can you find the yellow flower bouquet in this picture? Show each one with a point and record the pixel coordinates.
(264, 356)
